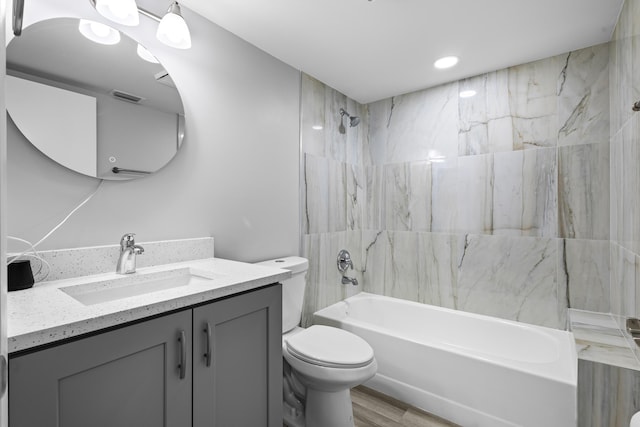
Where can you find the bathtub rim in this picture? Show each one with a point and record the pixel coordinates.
(564, 339)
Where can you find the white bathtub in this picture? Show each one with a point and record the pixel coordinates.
(471, 369)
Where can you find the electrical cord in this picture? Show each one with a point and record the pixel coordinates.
(53, 230)
(35, 255)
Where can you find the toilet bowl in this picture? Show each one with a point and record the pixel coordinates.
(327, 362)
(321, 363)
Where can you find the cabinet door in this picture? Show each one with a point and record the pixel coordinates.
(121, 378)
(240, 385)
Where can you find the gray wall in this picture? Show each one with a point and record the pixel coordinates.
(235, 178)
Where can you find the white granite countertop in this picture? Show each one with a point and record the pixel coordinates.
(45, 314)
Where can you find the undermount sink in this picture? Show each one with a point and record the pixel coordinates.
(137, 284)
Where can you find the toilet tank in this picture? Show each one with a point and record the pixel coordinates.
(292, 289)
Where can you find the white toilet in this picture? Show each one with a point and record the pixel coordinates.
(321, 364)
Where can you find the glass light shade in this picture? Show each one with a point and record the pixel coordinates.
(123, 12)
(173, 31)
(146, 55)
(99, 33)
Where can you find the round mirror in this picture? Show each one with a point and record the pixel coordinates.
(93, 99)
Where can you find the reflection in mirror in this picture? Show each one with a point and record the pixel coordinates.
(92, 99)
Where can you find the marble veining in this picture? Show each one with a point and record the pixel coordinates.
(600, 339)
(485, 123)
(533, 101)
(324, 286)
(407, 203)
(583, 97)
(583, 191)
(416, 126)
(585, 270)
(607, 394)
(630, 183)
(512, 278)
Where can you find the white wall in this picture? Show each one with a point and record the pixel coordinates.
(235, 178)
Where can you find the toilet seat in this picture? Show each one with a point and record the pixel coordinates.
(330, 347)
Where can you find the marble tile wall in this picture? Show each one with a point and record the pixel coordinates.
(516, 178)
(496, 203)
(607, 395)
(333, 192)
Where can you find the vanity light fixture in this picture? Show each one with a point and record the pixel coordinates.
(172, 28)
(123, 12)
(99, 33)
(146, 55)
(446, 62)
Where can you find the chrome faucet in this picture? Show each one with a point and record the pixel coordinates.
(344, 262)
(128, 252)
(351, 280)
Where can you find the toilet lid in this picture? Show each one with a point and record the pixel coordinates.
(331, 347)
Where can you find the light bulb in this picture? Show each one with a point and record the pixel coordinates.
(146, 55)
(99, 33)
(173, 30)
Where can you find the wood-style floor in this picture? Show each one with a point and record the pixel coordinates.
(374, 409)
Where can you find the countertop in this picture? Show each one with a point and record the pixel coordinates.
(45, 314)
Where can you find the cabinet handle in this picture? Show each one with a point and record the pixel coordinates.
(207, 355)
(183, 355)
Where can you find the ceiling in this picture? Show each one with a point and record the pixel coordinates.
(371, 50)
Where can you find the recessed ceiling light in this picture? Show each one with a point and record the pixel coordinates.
(446, 62)
(467, 93)
(316, 127)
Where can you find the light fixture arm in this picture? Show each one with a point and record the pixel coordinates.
(141, 10)
(18, 14)
(148, 14)
(172, 28)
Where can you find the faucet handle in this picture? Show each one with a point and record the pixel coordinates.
(344, 261)
(127, 240)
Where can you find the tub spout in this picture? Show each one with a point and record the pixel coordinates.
(351, 280)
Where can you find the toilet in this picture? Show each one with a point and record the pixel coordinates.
(321, 363)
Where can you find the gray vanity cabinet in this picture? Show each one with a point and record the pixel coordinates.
(125, 377)
(237, 365)
(134, 376)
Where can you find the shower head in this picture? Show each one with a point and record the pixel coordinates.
(353, 120)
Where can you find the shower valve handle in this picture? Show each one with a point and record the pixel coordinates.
(344, 261)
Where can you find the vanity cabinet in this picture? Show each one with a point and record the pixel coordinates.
(125, 377)
(218, 364)
(237, 363)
